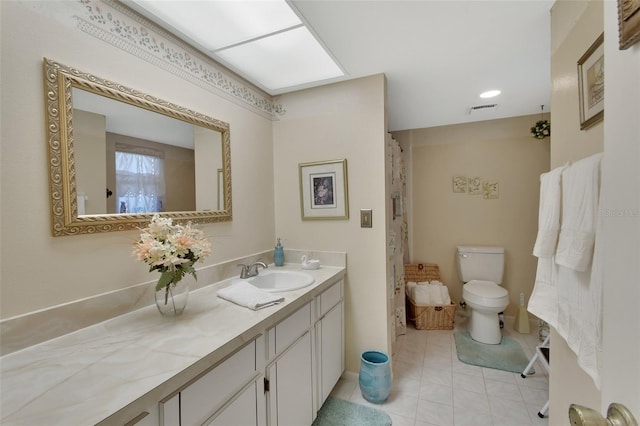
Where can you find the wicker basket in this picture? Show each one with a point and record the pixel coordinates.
(418, 272)
(428, 317)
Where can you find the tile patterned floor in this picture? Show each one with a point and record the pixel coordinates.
(431, 387)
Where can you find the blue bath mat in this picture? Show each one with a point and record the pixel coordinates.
(506, 356)
(338, 412)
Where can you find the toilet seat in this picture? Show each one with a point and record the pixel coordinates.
(485, 293)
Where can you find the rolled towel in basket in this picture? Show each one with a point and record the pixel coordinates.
(435, 294)
(446, 298)
(244, 294)
(422, 295)
(411, 285)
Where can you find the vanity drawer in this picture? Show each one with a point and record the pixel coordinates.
(293, 327)
(330, 298)
(202, 398)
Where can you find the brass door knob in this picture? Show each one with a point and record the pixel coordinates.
(617, 415)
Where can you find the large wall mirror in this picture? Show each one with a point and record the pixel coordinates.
(117, 156)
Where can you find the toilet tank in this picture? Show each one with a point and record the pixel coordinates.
(480, 263)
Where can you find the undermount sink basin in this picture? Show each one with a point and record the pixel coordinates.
(275, 281)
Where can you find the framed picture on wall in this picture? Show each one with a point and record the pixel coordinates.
(628, 22)
(459, 184)
(591, 84)
(323, 190)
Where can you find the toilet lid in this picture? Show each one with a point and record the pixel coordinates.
(485, 289)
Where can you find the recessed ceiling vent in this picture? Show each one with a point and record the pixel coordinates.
(485, 107)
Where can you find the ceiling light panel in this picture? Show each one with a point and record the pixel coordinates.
(282, 60)
(490, 94)
(215, 24)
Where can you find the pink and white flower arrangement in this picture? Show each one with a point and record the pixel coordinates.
(171, 249)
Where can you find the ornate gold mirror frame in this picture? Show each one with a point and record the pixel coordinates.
(59, 81)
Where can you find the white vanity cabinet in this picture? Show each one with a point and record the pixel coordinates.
(306, 359)
(225, 395)
(329, 329)
(280, 379)
(290, 370)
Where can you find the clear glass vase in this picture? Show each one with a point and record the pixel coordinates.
(172, 299)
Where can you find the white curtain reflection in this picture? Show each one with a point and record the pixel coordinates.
(139, 183)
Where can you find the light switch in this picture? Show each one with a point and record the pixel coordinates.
(366, 218)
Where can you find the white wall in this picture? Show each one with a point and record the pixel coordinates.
(343, 120)
(38, 270)
(621, 199)
(575, 25)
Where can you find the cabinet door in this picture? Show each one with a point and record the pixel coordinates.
(294, 400)
(170, 411)
(331, 350)
(201, 399)
(241, 412)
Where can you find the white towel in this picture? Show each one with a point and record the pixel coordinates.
(570, 300)
(543, 302)
(446, 299)
(244, 294)
(435, 294)
(580, 310)
(411, 286)
(580, 194)
(549, 213)
(590, 349)
(422, 296)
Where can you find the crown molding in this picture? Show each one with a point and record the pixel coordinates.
(116, 24)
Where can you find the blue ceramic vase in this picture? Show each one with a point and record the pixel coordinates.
(375, 376)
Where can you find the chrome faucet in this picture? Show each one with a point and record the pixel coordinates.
(249, 271)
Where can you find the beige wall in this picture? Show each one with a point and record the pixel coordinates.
(501, 150)
(38, 270)
(574, 27)
(343, 120)
(91, 164)
(208, 145)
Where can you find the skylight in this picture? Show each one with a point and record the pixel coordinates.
(263, 40)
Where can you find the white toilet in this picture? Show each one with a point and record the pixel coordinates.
(481, 270)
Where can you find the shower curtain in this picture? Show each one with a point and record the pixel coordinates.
(397, 236)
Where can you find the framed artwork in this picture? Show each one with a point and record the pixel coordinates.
(591, 84)
(490, 189)
(628, 22)
(323, 190)
(459, 184)
(475, 186)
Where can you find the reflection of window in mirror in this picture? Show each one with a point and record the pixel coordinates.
(162, 179)
(139, 182)
(172, 141)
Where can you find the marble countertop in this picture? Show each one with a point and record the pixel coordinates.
(116, 369)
